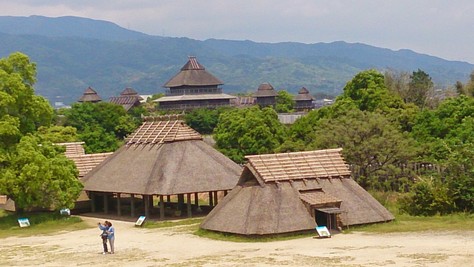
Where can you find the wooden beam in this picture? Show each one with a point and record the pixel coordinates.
(119, 207)
(147, 206)
(162, 208)
(215, 198)
(132, 205)
(188, 204)
(211, 200)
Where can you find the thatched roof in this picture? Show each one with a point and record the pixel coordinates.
(84, 162)
(90, 95)
(127, 102)
(164, 158)
(193, 74)
(303, 94)
(273, 189)
(130, 92)
(265, 90)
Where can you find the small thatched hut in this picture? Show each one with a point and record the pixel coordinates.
(304, 100)
(128, 99)
(265, 95)
(90, 95)
(163, 157)
(289, 192)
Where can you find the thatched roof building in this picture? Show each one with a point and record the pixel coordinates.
(163, 157)
(265, 95)
(289, 192)
(193, 87)
(304, 100)
(128, 99)
(84, 162)
(90, 95)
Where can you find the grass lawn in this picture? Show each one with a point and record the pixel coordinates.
(40, 223)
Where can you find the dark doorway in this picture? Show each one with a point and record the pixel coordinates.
(326, 219)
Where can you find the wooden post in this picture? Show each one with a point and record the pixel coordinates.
(188, 200)
(210, 199)
(225, 192)
(132, 205)
(162, 208)
(147, 206)
(168, 198)
(196, 202)
(106, 203)
(92, 194)
(119, 208)
(215, 198)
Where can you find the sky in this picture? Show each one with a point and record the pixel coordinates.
(439, 28)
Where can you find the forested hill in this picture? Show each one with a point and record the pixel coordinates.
(73, 53)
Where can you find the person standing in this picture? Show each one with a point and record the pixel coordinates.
(104, 227)
(111, 236)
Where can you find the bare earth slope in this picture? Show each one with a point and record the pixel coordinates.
(177, 247)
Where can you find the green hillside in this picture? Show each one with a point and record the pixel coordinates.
(67, 65)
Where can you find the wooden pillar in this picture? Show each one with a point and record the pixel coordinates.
(106, 203)
(215, 198)
(119, 207)
(196, 202)
(162, 208)
(188, 204)
(225, 192)
(211, 199)
(168, 198)
(92, 195)
(180, 201)
(147, 206)
(132, 205)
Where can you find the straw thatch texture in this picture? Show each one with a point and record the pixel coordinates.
(90, 95)
(192, 74)
(264, 90)
(299, 165)
(303, 94)
(73, 148)
(85, 163)
(164, 169)
(358, 206)
(320, 179)
(255, 210)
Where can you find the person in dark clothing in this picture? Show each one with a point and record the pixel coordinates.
(104, 227)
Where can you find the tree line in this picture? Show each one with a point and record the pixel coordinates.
(383, 121)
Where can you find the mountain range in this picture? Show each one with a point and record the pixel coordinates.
(73, 53)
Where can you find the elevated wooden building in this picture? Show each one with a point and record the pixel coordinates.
(193, 87)
(265, 95)
(304, 101)
(290, 192)
(163, 158)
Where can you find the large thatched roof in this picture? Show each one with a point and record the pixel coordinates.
(164, 158)
(84, 162)
(303, 95)
(276, 192)
(192, 74)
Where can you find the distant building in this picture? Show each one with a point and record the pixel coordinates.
(128, 99)
(90, 95)
(265, 95)
(193, 87)
(304, 101)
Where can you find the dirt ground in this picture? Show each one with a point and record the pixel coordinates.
(178, 247)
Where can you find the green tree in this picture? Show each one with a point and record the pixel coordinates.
(204, 120)
(420, 88)
(102, 126)
(39, 175)
(284, 102)
(248, 131)
(372, 145)
(32, 173)
(58, 134)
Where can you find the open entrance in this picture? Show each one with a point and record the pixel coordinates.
(327, 217)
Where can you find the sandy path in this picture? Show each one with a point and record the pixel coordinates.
(178, 247)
